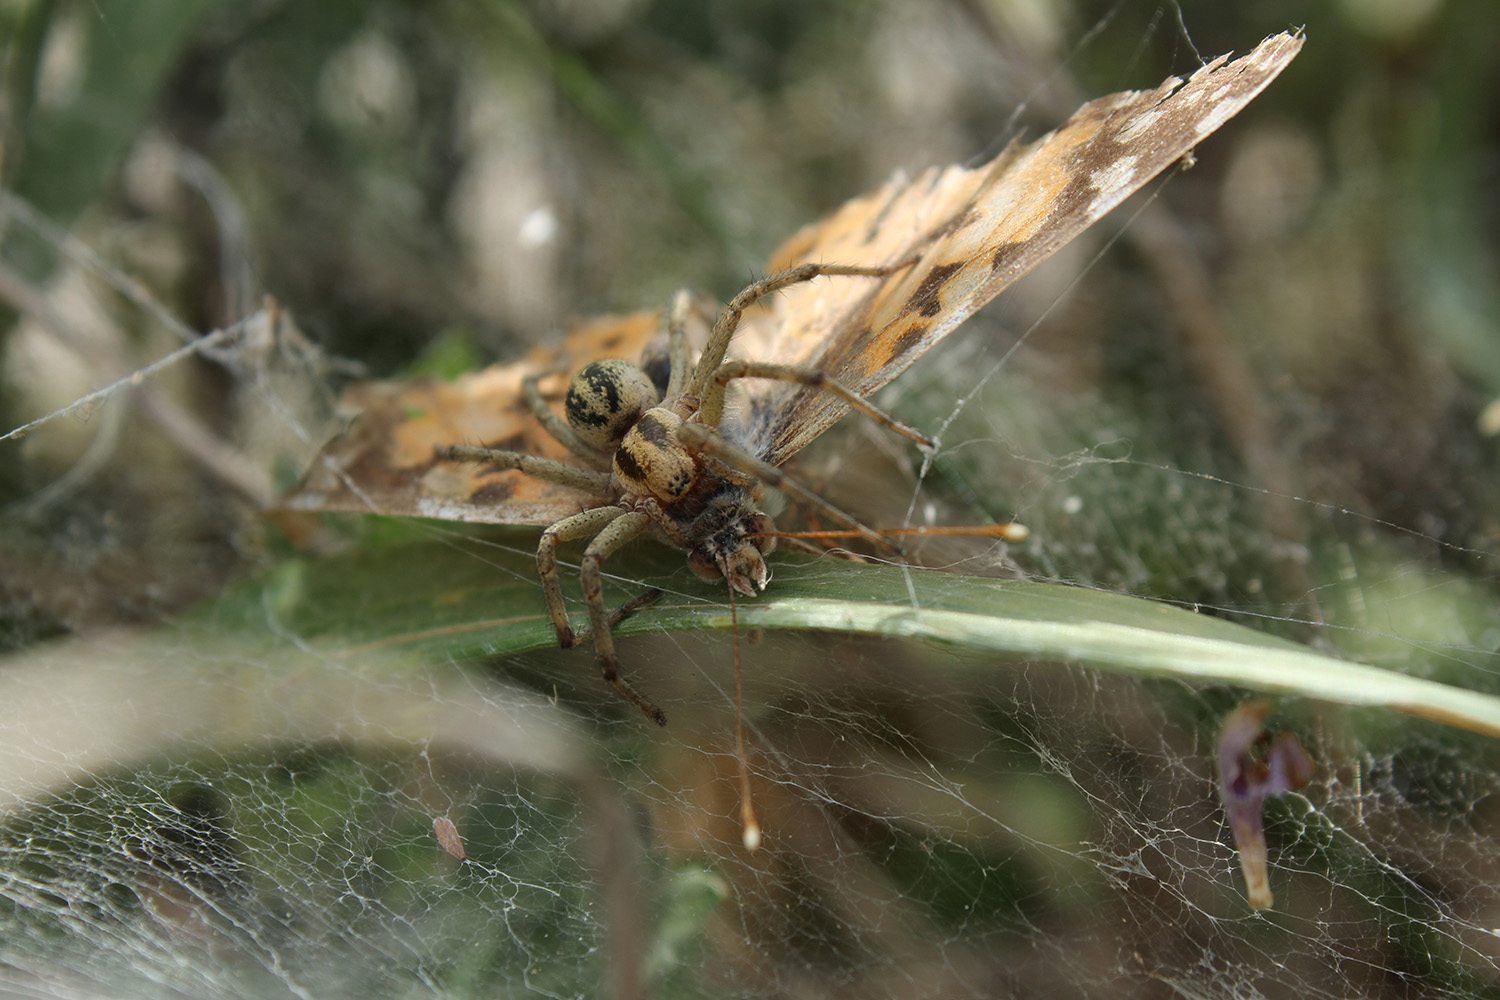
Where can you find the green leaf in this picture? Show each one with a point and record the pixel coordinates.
(467, 600)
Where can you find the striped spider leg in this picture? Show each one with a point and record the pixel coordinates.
(669, 468)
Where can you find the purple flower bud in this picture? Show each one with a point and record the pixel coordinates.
(1252, 767)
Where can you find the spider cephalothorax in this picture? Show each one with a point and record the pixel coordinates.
(697, 502)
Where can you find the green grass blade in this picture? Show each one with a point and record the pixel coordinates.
(492, 606)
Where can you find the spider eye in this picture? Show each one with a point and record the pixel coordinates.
(605, 400)
(704, 565)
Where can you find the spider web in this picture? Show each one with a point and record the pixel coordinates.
(211, 788)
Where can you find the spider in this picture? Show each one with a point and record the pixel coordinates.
(662, 462)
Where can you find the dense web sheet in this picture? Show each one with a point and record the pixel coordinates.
(246, 799)
(938, 824)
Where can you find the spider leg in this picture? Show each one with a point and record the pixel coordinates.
(631, 606)
(702, 438)
(582, 525)
(678, 353)
(559, 428)
(584, 480)
(620, 530)
(729, 319)
(578, 526)
(611, 527)
(712, 409)
(619, 614)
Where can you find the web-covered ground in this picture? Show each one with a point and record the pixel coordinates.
(225, 743)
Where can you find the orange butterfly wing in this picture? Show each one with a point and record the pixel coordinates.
(384, 463)
(976, 231)
(972, 232)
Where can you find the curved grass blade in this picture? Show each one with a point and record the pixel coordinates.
(443, 601)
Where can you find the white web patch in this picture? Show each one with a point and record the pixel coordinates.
(241, 801)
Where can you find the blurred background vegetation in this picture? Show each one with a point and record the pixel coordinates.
(1273, 397)
(1312, 312)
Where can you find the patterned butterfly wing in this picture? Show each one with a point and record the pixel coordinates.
(974, 232)
(384, 462)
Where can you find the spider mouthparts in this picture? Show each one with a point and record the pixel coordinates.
(745, 583)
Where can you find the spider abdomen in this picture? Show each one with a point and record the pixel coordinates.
(606, 398)
(650, 460)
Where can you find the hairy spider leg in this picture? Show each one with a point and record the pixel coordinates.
(712, 409)
(729, 317)
(706, 440)
(611, 527)
(705, 391)
(584, 480)
(559, 428)
(679, 352)
(609, 535)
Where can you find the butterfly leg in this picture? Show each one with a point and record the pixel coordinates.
(729, 318)
(587, 481)
(712, 408)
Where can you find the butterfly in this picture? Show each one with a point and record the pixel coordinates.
(682, 443)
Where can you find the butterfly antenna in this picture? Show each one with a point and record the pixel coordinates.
(1006, 531)
(749, 825)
